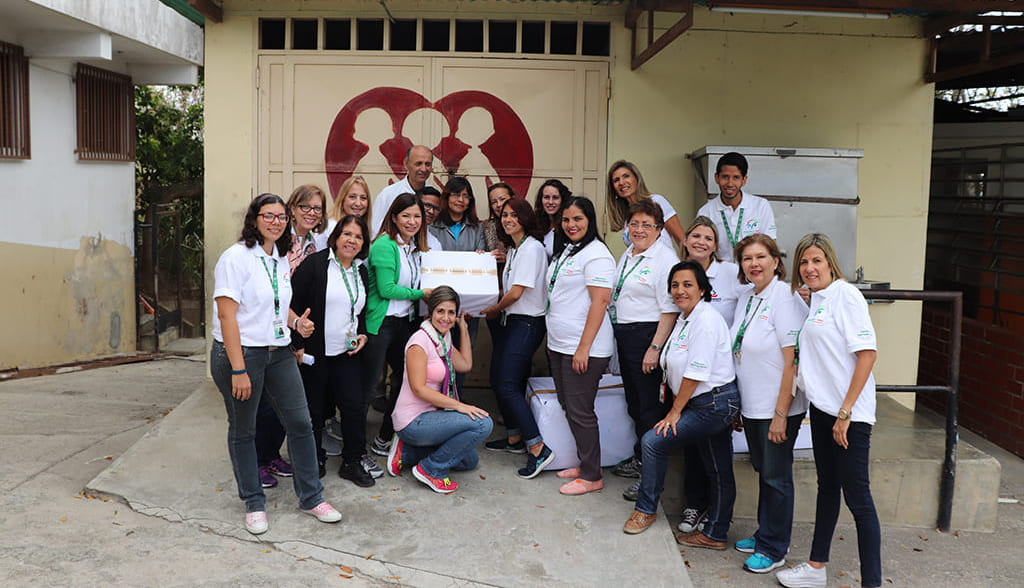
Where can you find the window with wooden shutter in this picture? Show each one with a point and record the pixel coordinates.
(14, 121)
(105, 114)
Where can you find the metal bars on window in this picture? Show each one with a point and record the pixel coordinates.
(106, 114)
(14, 119)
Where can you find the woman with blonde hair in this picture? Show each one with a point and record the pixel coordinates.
(625, 187)
(353, 198)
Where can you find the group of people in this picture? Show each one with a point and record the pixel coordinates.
(707, 341)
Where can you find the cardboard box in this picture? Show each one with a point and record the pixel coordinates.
(473, 275)
(617, 434)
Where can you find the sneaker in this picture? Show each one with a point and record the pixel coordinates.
(355, 473)
(394, 462)
(803, 576)
(380, 446)
(580, 486)
(370, 466)
(638, 522)
(439, 485)
(333, 429)
(504, 445)
(746, 545)
(632, 492)
(331, 446)
(256, 522)
(536, 464)
(628, 468)
(693, 520)
(762, 564)
(324, 512)
(280, 467)
(266, 478)
(699, 539)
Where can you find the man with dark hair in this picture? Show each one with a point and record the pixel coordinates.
(419, 163)
(735, 214)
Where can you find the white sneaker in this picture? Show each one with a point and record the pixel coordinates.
(803, 576)
(256, 522)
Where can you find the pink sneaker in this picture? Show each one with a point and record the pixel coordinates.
(256, 522)
(568, 473)
(394, 463)
(324, 512)
(580, 486)
(442, 486)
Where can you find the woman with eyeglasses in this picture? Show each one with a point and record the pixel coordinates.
(551, 198)
(353, 198)
(642, 315)
(250, 358)
(626, 187)
(306, 207)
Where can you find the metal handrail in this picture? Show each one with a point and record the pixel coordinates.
(947, 480)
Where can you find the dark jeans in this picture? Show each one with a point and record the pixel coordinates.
(337, 382)
(388, 345)
(642, 390)
(774, 464)
(706, 422)
(514, 346)
(273, 373)
(474, 328)
(443, 440)
(576, 394)
(269, 433)
(845, 470)
(695, 480)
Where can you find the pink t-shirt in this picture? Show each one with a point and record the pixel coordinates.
(409, 406)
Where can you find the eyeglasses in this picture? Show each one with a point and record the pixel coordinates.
(645, 226)
(270, 217)
(460, 195)
(432, 207)
(313, 209)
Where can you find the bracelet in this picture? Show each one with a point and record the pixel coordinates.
(295, 324)
(779, 413)
(237, 372)
(655, 347)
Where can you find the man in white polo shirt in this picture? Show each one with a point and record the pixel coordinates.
(735, 214)
(419, 163)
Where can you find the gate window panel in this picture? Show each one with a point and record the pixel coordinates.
(14, 116)
(304, 34)
(337, 34)
(272, 33)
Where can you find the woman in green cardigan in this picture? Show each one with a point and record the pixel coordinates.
(391, 304)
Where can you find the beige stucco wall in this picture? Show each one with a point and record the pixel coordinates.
(730, 80)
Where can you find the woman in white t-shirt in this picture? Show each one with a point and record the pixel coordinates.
(551, 198)
(836, 350)
(763, 334)
(702, 246)
(518, 319)
(700, 383)
(642, 314)
(353, 198)
(251, 357)
(435, 431)
(580, 339)
(625, 187)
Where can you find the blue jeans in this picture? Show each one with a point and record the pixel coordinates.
(274, 373)
(774, 464)
(707, 422)
(845, 470)
(269, 433)
(443, 440)
(514, 346)
(642, 390)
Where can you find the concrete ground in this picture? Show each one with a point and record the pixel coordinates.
(184, 527)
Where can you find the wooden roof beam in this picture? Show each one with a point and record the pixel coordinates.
(970, 69)
(654, 46)
(208, 9)
(876, 5)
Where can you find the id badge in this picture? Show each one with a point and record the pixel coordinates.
(614, 316)
(279, 329)
(503, 318)
(351, 341)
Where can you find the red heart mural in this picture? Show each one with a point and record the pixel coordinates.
(509, 149)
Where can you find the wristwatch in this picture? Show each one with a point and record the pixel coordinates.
(844, 415)
(655, 347)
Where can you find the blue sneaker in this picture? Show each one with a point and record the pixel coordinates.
(761, 564)
(746, 545)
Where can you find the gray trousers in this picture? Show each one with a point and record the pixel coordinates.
(576, 394)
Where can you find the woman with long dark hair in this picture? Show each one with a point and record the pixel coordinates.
(551, 198)
(250, 358)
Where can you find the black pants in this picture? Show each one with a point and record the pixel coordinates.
(642, 390)
(337, 382)
(388, 345)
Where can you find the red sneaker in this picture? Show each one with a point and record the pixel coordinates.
(394, 463)
(442, 486)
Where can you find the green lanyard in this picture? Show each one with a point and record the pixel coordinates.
(733, 239)
(352, 299)
(796, 349)
(747, 317)
(558, 265)
(451, 392)
(512, 256)
(273, 284)
(414, 270)
(622, 278)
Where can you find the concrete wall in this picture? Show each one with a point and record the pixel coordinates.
(66, 239)
(731, 79)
